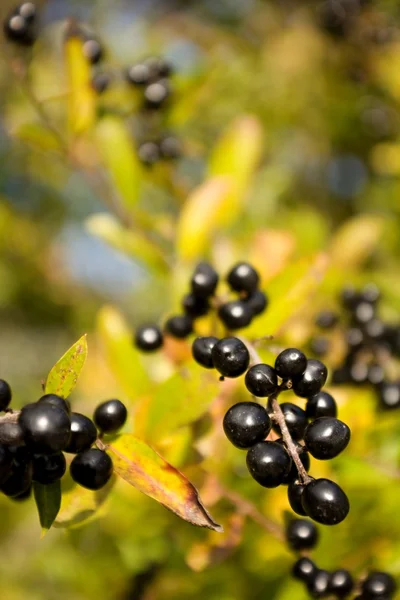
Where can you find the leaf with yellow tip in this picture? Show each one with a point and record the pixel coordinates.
(64, 375)
(79, 505)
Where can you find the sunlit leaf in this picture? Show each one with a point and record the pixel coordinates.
(356, 240)
(121, 355)
(119, 156)
(79, 505)
(139, 465)
(64, 375)
(81, 97)
(37, 135)
(48, 502)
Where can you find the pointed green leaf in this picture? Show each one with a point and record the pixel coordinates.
(48, 502)
(354, 242)
(141, 466)
(64, 375)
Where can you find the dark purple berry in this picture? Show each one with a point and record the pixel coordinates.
(148, 338)
(230, 357)
(246, 423)
(5, 394)
(268, 463)
(312, 380)
(321, 404)
(261, 380)
(304, 569)
(377, 585)
(295, 419)
(290, 363)
(48, 469)
(91, 469)
(110, 416)
(301, 534)
(295, 492)
(46, 427)
(179, 326)
(243, 278)
(83, 434)
(57, 401)
(257, 301)
(325, 502)
(235, 315)
(204, 280)
(202, 351)
(195, 306)
(341, 583)
(326, 437)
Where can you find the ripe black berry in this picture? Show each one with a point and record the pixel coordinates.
(19, 30)
(268, 463)
(5, 394)
(230, 357)
(5, 462)
(319, 346)
(350, 297)
(312, 380)
(139, 74)
(56, 401)
(195, 306)
(321, 404)
(243, 278)
(91, 468)
(295, 418)
(204, 280)
(235, 315)
(341, 583)
(148, 338)
(158, 66)
(370, 293)
(326, 319)
(101, 82)
(149, 152)
(290, 363)
(326, 437)
(257, 301)
(261, 380)
(83, 433)
(93, 51)
(304, 457)
(170, 148)
(47, 469)
(377, 585)
(304, 569)
(46, 427)
(11, 434)
(19, 479)
(179, 326)
(155, 94)
(318, 584)
(110, 416)
(363, 313)
(27, 10)
(202, 351)
(389, 395)
(301, 534)
(325, 502)
(246, 423)
(295, 492)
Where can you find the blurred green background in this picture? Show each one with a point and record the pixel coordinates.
(290, 130)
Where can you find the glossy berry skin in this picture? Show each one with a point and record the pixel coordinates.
(341, 583)
(204, 280)
(110, 416)
(304, 569)
(5, 394)
(318, 585)
(27, 10)
(156, 94)
(326, 437)
(312, 380)
(295, 418)
(257, 301)
(325, 502)
(295, 492)
(243, 278)
(179, 326)
(93, 51)
(202, 351)
(139, 74)
(46, 427)
(290, 363)
(304, 457)
(377, 585)
(19, 477)
(261, 380)
(321, 404)
(11, 434)
(149, 153)
(389, 395)
(56, 401)
(91, 468)
(48, 469)
(326, 319)
(83, 434)
(101, 82)
(230, 357)
(301, 534)
(268, 463)
(235, 315)
(19, 30)
(6, 459)
(319, 346)
(246, 424)
(195, 306)
(148, 338)
(170, 148)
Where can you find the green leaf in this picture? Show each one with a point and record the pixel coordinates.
(354, 242)
(119, 156)
(64, 375)
(141, 466)
(79, 505)
(121, 355)
(48, 502)
(180, 400)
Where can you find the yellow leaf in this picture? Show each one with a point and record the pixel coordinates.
(78, 504)
(356, 240)
(64, 375)
(82, 98)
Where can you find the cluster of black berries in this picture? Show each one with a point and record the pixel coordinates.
(338, 17)
(302, 536)
(21, 24)
(370, 343)
(236, 314)
(32, 443)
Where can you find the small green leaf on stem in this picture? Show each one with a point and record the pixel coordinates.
(48, 502)
(64, 375)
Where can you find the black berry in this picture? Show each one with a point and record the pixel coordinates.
(19, 30)
(326, 437)
(312, 380)
(6, 459)
(139, 74)
(268, 463)
(148, 338)
(170, 148)
(377, 585)
(243, 278)
(5, 394)
(202, 351)
(389, 395)
(246, 423)
(295, 492)
(11, 434)
(57, 401)
(149, 152)
(321, 404)
(304, 458)
(91, 468)
(179, 326)
(235, 315)
(46, 427)
(101, 82)
(110, 416)
(341, 583)
(195, 306)
(156, 93)
(301, 534)
(295, 419)
(93, 51)
(230, 357)
(19, 479)
(318, 584)
(326, 319)
(48, 469)
(290, 363)
(319, 346)
(204, 280)
(304, 569)
(261, 380)
(325, 502)
(257, 301)
(83, 433)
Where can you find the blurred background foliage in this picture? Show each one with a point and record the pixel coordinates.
(291, 159)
